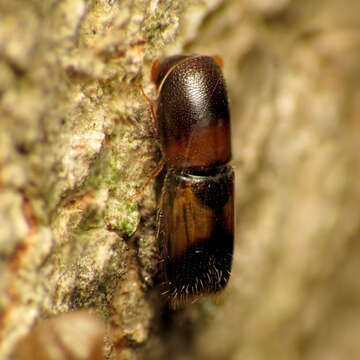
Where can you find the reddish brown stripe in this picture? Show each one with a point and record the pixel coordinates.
(205, 147)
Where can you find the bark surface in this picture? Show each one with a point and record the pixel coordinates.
(76, 143)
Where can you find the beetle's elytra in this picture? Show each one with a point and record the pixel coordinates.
(196, 210)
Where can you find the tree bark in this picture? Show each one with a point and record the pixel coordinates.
(76, 144)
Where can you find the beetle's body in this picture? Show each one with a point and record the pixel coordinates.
(196, 211)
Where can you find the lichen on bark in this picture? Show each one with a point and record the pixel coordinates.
(75, 146)
(76, 143)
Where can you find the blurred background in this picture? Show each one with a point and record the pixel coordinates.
(293, 72)
(75, 139)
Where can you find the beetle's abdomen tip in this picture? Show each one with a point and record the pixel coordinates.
(202, 270)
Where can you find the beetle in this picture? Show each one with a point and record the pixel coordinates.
(196, 208)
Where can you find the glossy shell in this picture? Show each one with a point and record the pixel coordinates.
(192, 112)
(196, 211)
(196, 232)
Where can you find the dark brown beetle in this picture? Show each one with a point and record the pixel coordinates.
(196, 211)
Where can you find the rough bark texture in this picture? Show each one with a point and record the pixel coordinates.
(76, 144)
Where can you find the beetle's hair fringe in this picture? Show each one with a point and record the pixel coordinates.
(188, 294)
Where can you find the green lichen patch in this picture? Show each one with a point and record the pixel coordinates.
(121, 215)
